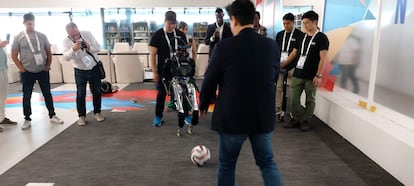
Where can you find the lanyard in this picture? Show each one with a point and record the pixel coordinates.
(309, 44)
(284, 38)
(169, 42)
(30, 43)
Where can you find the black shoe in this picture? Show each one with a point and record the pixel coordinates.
(7, 121)
(305, 126)
(292, 124)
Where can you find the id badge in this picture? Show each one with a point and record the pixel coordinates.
(301, 62)
(283, 57)
(39, 59)
(87, 61)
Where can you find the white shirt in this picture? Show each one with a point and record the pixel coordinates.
(76, 56)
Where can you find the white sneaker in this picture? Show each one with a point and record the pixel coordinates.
(81, 121)
(56, 120)
(26, 125)
(99, 117)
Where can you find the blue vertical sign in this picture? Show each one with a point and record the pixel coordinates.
(400, 11)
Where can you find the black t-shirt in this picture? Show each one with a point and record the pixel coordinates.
(310, 68)
(294, 43)
(159, 41)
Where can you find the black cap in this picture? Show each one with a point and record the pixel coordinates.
(171, 17)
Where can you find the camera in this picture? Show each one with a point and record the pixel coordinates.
(83, 45)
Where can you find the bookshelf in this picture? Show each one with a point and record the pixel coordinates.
(140, 32)
(199, 32)
(111, 34)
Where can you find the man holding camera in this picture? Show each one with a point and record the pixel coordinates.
(163, 43)
(81, 48)
(32, 56)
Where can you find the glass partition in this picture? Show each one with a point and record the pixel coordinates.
(394, 81)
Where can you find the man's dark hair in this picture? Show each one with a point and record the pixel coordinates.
(28, 17)
(219, 10)
(182, 25)
(243, 10)
(289, 17)
(258, 14)
(311, 15)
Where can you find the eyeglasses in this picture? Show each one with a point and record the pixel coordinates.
(307, 22)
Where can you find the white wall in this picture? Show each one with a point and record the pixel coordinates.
(380, 135)
(111, 3)
(318, 7)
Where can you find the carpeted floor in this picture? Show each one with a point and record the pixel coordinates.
(126, 150)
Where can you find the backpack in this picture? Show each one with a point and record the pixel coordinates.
(106, 87)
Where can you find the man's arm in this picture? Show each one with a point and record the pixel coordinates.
(3, 43)
(153, 56)
(317, 80)
(210, 32)
(48, 58)
(290, 58)
(94, 45)
(14, 54)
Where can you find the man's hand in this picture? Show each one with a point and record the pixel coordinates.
(216, 34)
(22, 70)
(77, 45)
(47, 68)
(317, 81)
(3, 44)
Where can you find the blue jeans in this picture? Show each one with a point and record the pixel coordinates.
(82, 77)
(28, 79)
(230, 146)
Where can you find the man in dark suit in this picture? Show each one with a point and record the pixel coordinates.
(243, 66)
(217, 31)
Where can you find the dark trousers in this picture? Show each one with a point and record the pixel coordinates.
(229, 150)
(28, 79)
(162, 93)
(82, 77)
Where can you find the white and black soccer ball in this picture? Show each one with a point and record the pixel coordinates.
(200, 154)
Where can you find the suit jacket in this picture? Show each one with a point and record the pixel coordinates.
(210, 31)
(244, 67)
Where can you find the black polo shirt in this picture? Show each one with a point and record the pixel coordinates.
(310, 68)
(294, 43)
(159, 41)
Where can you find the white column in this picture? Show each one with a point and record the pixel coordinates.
(375, 54)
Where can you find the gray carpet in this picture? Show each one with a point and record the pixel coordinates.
(126, 150)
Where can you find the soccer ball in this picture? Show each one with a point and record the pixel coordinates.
(200, 154)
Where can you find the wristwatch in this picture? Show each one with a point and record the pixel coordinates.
(318, 75)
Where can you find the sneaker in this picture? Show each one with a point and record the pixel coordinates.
(99, 117)
(1, 129)
(179, 133)
(190, 130)
(187, 120)
(157, 121)
(26, 125)
(7, 121)
(81, 121)
(292, 124)
(56, 120)
(305, 126)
